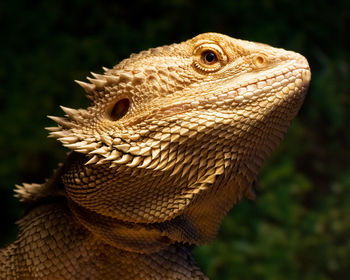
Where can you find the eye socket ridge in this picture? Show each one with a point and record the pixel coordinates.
(209, 57)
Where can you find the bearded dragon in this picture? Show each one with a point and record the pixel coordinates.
(173, 138)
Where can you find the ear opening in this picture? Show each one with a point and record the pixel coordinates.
(119, 110)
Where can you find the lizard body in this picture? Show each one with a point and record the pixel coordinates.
(173, 138)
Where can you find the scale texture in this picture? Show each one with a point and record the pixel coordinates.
(173, 138)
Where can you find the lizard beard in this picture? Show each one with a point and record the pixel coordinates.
(191, 217)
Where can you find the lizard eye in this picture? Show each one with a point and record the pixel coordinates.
(119, 109)
(209, 57)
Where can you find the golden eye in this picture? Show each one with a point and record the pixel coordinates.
(119, 109)
(209, 57)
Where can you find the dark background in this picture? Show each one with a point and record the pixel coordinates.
(299, 226)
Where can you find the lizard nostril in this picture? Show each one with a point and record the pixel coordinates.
(119, 109)
(259, 60)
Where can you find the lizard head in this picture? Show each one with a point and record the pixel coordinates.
(209, 108)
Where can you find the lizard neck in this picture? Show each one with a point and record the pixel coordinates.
(192, 213)
(52, 245)
(197, 224)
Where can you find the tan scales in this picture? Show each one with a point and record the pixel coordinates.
(173, 138)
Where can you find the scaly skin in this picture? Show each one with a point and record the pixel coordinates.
(173, 138)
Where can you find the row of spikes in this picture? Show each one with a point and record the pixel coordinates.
(96, 85)
(30, 193)
(177, 162)
(94, 89)
(156, 157)
(124, 153)
(194, 174)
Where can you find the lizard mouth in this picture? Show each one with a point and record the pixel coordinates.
(290, 79)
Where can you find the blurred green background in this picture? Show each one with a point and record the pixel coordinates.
(299, 226)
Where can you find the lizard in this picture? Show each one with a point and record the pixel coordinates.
(173, 137)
